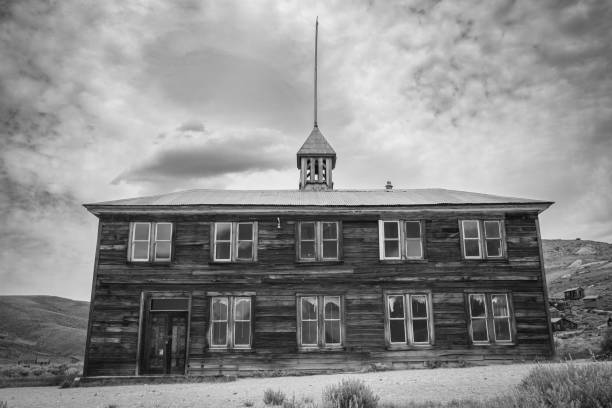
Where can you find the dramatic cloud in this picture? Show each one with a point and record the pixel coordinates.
(185, 156)
(105, 100)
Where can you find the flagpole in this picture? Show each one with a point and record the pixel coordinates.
(315, 71)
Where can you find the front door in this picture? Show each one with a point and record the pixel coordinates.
(165, 343)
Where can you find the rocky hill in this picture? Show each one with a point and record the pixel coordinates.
(44, 327)
(585, 264)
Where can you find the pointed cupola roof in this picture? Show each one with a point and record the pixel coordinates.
(316, 146)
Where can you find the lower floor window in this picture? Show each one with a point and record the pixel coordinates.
(408, 318)
(319, 321)
(490, 318)
(230, 322)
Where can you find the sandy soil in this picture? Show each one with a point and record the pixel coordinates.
(442, 384)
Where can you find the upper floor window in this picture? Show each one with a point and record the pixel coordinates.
(318, 241)
(409, 319)
(230, 321)
(400, 239)
(490, 318)
(320, 321)
(482, 239)
(150, 242)
(235, 242)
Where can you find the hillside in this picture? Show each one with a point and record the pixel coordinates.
(45, 326)
(571, 263)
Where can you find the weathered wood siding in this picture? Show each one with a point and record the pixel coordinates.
(276, 278)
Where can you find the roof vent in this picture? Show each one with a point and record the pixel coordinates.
(389, 186)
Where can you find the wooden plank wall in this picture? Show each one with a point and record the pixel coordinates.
(276, 278)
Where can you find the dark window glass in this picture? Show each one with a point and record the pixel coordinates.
(470, 229)
(471, 247)
(391, 230)
(170, 304)
(396, 306)
(413, 229)
(308, 230)
(245, 232)
(245, 249)
(420, 331)
(391, 249)
(307, 250)
(479, 329)
(398, 333)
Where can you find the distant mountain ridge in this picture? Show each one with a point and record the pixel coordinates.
(47, 327)
(50, 327)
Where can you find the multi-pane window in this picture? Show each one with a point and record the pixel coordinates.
(319, 321)
(482, 239)
(230, 322)
(318, 241)
(150, 242)
(490, 318)
(400, 239)
(235, 241)
(408, 319)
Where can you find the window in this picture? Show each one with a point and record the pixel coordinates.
(318, 241)
(409, 319)
(320, 321)
(235, 242)
(230, 322)
(482, 239)
(490, 320)
(150, 241)
(400, 239)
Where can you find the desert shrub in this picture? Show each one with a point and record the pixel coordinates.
(3, 404)
(350, 393)
(248, 403)
(606, 342)
(69, 380)
(569, 385)
(272, 397)
(299, 403)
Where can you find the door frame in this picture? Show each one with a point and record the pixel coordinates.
(145, 309)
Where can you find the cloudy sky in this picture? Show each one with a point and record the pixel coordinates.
(106, 100)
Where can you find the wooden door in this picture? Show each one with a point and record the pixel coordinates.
(165, 343)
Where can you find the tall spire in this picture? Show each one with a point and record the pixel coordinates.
(316, 158)
(315, 71)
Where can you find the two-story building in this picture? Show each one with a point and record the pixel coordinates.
(203, 282)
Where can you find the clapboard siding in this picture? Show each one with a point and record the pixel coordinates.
(360, 277)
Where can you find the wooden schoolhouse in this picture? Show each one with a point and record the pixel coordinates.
(317, 279)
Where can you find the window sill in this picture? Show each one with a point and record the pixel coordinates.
(319, 263)
(231, 262)
(403, 261)
(327, 349)
(392, 347)
(150, 263)
(485, 260)
(230, 350)
(503, 344)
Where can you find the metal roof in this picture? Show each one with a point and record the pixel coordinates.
(316, 145)
(350, 198)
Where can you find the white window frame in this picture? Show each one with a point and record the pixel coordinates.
(419, 239)
(507, 318)
(151, 242)
(318, 241)
(402, 240)
(302, 320)
(482, 239)
(156, 241)
(490, 318)
(339, 320)
(320, 320)
(485, 318)
(409, 318)
(230, 324)
(234, 241)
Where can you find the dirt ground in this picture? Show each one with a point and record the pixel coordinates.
(442, 384)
